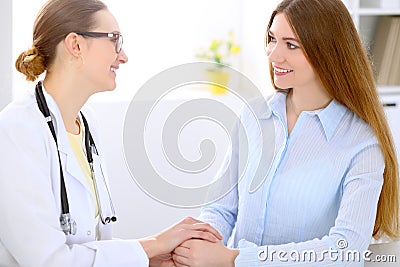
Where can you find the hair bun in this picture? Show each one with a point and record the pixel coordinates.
(30, 63)
(30, 55)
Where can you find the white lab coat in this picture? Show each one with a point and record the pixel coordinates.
(30, 205)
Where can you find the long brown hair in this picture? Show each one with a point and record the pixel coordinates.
(55, 20)
(333, 47)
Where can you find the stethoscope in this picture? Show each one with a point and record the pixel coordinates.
(68, 225)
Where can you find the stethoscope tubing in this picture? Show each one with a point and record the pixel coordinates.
(68, 225)
(42, 104)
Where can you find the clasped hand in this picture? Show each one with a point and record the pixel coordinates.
(190, 242)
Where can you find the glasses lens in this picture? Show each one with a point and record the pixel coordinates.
(119, 43)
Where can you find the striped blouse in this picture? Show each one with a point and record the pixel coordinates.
(317, 204)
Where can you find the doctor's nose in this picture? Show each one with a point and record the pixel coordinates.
(122, 57)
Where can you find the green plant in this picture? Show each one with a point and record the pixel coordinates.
(219, 51)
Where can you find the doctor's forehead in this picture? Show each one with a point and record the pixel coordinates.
(105, 21)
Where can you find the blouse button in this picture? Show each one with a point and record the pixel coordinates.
(89, 232)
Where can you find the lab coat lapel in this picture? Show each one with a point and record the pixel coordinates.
(69, 163)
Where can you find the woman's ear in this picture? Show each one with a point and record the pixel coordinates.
(73, 44)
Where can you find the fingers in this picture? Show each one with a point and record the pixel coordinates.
(198, 229)
(181, 251)
(180, 265)
(205, 227)
(205, 231)
(181, 255)
(180, 260)
(202, 225)
(160, 263)
(194, 234)
(191, 220)
(188, 228)
(167, 256)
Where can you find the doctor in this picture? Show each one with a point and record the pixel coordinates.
(55, 205)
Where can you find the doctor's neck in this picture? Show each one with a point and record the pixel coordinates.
(69, 97)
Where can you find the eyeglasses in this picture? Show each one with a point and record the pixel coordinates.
(116, 36)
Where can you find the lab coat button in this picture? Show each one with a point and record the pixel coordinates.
(89, 232)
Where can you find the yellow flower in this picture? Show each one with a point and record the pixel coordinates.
(235, 49)
(220, 51)
(214, 45)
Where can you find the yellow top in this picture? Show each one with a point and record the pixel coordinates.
(76, 143)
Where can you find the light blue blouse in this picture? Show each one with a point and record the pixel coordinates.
(320, 194)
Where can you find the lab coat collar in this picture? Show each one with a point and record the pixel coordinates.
(71, 165)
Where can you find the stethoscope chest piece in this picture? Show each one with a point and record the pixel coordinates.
(68, 225)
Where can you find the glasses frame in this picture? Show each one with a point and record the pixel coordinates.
(118, 38)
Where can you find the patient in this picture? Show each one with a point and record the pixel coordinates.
(333, 181)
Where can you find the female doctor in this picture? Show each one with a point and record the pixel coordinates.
(55, 206)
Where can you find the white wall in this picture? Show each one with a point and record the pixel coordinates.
(256, 16)
(23, 19)
(161, 34)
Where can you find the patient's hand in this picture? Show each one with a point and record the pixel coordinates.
(164, 260)
(166, 241)
(200, 253)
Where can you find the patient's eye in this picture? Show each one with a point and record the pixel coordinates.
(292, 46)
(271, 38)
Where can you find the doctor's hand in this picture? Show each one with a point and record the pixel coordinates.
(166, 241)
(199, 253)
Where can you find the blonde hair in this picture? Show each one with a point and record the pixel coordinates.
(54, 22)
(30, 63)
(333, 47)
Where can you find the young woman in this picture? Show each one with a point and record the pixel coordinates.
(54, 199)
(333, 182)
